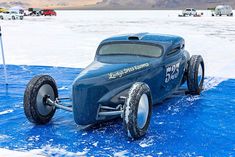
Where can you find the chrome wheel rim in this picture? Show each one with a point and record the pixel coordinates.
(45, 90)
(200, 74)
(143, 111)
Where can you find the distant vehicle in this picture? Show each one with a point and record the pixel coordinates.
(129, 74)
(27, 13)
(223, 10)
(48, 12)
(189, 12)
(12, 15)
(3, 10)
(34, 12)
(17, 9)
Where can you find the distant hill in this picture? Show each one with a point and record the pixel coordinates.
(158, 4)
(62, 4)
(8, 4)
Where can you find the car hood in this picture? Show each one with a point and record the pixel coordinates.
(97, 69)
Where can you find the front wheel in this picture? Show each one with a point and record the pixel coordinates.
(13, 17)
(195, 76)
(137, 110)
(37, 91)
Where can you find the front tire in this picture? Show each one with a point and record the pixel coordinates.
(37, 91)
(195, 76)
(137, 110)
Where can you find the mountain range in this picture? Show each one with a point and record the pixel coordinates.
(159, 4)
(62, 4)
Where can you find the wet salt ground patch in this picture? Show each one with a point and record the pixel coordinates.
(180, 126)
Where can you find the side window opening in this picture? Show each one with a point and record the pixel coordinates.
(175, 50)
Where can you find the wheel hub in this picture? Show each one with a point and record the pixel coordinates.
(46, 91)
(143, 111)
(200, 74)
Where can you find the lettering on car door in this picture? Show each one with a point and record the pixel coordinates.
(172, 72)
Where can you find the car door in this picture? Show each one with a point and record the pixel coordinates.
(174, 66)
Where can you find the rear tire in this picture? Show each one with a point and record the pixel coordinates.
(195, 76)
(13, 18)
(37, 90)
(137, 110)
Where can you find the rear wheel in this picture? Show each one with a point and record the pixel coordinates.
(137, 110)
(37, 91)
(13, 17)
(1, 17)
(195, 76)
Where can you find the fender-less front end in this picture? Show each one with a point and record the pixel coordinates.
(103, 84)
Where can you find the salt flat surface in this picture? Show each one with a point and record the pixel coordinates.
(71, 38)
(183, 125)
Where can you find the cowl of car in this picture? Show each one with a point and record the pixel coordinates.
(129, 74)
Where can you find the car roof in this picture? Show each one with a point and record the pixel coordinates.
(165, 40)
(223, 6)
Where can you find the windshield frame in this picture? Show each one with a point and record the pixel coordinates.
(129, 42)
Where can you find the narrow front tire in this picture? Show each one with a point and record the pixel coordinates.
(137, 110)
(37, 91)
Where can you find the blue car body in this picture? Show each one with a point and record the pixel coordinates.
(109, 77)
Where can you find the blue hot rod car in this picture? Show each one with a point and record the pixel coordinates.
(129, 74)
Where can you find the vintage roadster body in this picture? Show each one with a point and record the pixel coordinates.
(129, 74)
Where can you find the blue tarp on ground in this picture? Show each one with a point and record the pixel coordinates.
(180, 126)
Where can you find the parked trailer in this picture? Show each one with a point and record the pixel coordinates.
(223, 10)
